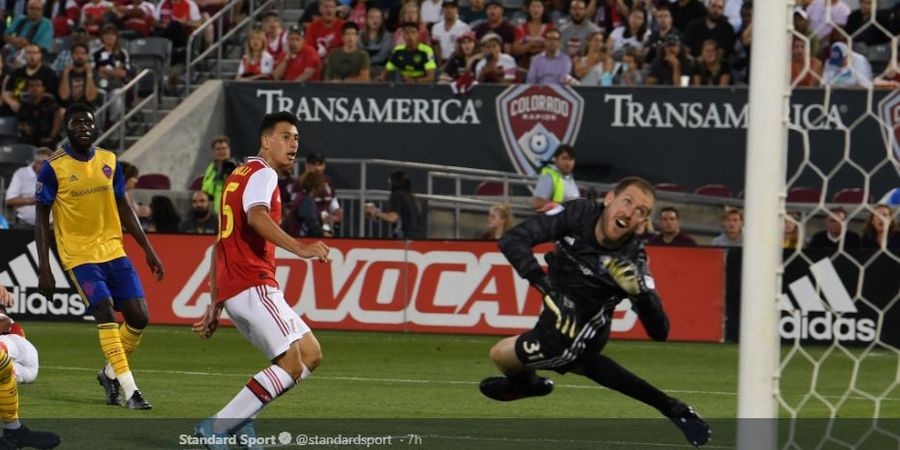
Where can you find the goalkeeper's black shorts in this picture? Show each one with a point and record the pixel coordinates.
(543, 347)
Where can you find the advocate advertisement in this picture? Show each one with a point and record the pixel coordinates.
(421, 286)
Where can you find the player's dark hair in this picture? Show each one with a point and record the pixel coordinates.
(670, 209)
(564, 148)
(129, 170)
(269, 121)
(350, 26)
(75, 109)
(639, 182)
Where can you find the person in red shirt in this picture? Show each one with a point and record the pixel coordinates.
(242, 279)
(325, 32)
(300, 63)
(92, 15)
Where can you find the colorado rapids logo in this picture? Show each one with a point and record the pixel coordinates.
(534, 120)
(889, 110)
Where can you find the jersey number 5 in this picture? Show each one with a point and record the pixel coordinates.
(227, 213)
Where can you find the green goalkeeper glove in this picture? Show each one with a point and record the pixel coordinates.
(624, 273)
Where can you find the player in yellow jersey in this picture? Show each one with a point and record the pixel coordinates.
(84, 187)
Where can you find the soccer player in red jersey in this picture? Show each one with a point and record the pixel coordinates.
(242, 281)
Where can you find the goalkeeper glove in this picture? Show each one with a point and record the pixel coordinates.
(624, 273)
(561, 306)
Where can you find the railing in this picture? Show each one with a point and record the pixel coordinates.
(218, 21)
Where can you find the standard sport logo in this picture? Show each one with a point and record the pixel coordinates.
(534, 120)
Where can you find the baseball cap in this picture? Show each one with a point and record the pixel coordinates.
(491, 37)
(672, 39)
(466, 35)
(802, 12)
(315, 157)
(295, 29)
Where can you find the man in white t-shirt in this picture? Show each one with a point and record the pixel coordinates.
(495, 66)
(444, 34)
(20, 194)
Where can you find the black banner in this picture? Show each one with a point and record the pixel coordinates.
(687, 136)
(828, 297)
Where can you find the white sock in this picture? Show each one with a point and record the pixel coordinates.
(109, 372)
(306, 373)
(14, 425)
(126, 380)
(264, 387)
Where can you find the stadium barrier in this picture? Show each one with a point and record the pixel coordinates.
(464, 287)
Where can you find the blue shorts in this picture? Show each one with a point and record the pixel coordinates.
(114, 279)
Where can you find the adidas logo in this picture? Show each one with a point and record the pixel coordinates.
(73, 178)
(22, 276)
(828, 319)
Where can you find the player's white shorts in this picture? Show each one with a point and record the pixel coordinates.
(265, 319)
(24, 357)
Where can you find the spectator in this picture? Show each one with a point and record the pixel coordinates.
(733, 228)
(530, 35)
(802, 28)
(714, 26)
(846, 68)
(276, 37)
(20, 194)
(301, 62)
(412, 62)
(325, 196)
(732, 12)
(835, 231)
(403, 209)
(257, 63)
(740, 66)
(163, 216)
(445, 33)
(64, 58)
(409, 13)
(655, 42)
(821, 21)
(201, 219)
(630, 73)
(358, 11)
(634, 33)
(608, 14)
(494, 66)
(62, 14)
(113, 69)
(462, 61)
(431, 12)
(136, 16)
(803, 73)
(596, 67)
(218, 170)
(93, 13)
(686, 11)
(556, 183)
(880, 230)
(32, 28)
(348, 63)
(497, 25)
(375, 40)
(177, 19)
(131, 174)
(304, 218)
(500, 220)
(474, 13)
(670, 230)
(712, 69)
(791, 230)
(552, 66)
(40, 117)
(77, 82)
(324, 33)
(15, 84)
(672, 67)
(861, 19)
(575, 34)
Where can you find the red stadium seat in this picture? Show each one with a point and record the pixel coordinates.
(850, 195)
(154, 181)
(669, 187)
(714, 190)
(197, 184)
(489, 188)
(804, 195)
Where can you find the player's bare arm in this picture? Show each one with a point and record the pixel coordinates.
(259, 219)
(208, 324)
(132, 225)
(46, 281)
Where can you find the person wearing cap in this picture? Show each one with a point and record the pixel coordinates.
(301, 61)
(671, 65)
(324, 33)
(551, 66)
(462, 61)
(801, 27)
(445, 33)
(574, 34)
(413, 61)
(325, 197)
(496, 24)
(495, 66)
(31, 28)
(846, 68)
(20, 194)
(654, 43)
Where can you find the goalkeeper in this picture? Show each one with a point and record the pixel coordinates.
(597, 262)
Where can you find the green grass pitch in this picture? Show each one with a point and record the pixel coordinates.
(418, 376)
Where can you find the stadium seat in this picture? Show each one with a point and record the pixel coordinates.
(9, 126)
(850, 195)
(56, 47)
(804, 195)
(154, 53)
(13, 157)
(669, 187)
(153, 181)
(713, 190)
(489, 188)
(197, 184)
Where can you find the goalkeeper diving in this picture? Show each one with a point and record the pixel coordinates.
(598, 262)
